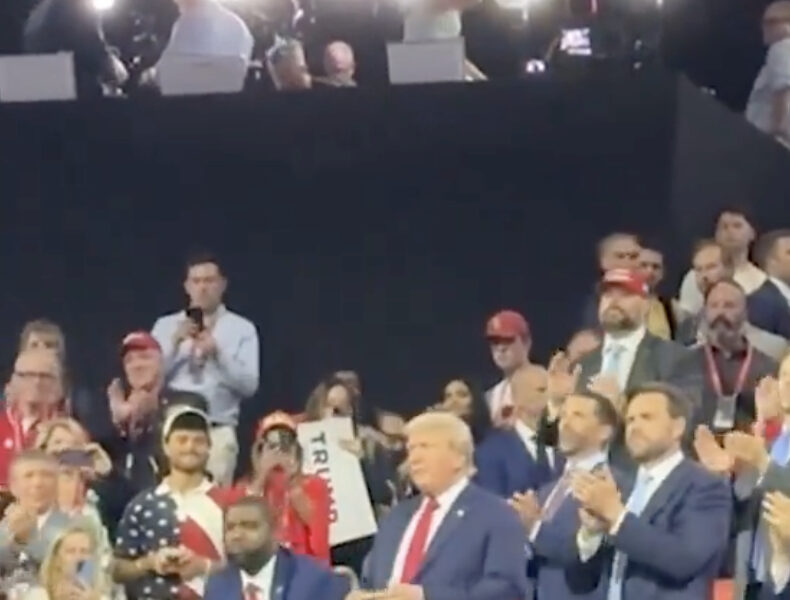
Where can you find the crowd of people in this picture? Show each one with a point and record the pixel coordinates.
(649, 458)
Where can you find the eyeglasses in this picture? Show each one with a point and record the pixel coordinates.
(31, 375)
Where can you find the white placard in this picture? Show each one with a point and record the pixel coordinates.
(351, 514)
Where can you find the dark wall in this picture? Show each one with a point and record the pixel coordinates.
(360, 229)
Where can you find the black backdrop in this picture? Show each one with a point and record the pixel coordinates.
(372, 230)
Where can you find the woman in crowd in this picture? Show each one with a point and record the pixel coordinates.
(462, 399)
(299, 502)
(74, 568)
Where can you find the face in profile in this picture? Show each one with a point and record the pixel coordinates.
(709, 267)
(433, 462)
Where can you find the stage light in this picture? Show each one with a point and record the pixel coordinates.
(102, 5)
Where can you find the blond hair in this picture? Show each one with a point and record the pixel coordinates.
(50, 572)
(46, 429)
(450, 426)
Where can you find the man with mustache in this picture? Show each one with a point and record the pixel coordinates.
(730, 360)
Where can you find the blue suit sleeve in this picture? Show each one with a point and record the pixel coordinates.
(504, 572)
(699, 534)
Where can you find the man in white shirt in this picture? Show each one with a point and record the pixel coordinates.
(454, 540)
(207, 28)
(769, 101)
(734, 234)
(509, 339)
(214, 352)
(663, 538)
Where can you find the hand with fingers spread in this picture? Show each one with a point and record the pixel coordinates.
(607, 386)
(562, 379)
(747, 450)
(711, 455)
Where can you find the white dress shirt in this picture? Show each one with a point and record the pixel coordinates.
(748, 276)
(209, 29)
(262, 580)
(499, 397)
(530, 438)
(772, 78)
(629, 343)
(588, 544)
(445, 500)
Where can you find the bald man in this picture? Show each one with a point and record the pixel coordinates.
(33, 395)
(514, 460)
(769, 102)
(339, 66)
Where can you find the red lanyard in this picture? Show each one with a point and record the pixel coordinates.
(715, 378)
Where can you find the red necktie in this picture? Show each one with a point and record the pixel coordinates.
(251, 592)
(416, 551)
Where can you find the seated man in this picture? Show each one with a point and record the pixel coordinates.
(32, 521)
(258, 568)
(454, 540)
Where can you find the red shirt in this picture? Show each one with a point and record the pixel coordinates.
(310, 537)
(12, 440)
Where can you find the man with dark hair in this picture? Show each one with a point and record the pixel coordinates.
(773, 255)
(734, 234)
(663, 537)
(587, 424)
(768, 304)
(170, 537)
(661, 315)
(258, 568)
(212, 351)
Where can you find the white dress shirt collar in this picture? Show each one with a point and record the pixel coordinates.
(448, 497)
(586, 463)
(629, 342)
(42, 519)
(263, 580)
(783, 287)
(658, 472)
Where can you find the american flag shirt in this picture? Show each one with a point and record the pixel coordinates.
(160, 518)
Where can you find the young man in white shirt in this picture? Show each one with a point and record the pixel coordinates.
(510, 341)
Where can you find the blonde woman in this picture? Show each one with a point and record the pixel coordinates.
(73, 568)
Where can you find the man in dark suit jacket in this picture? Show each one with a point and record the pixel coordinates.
(515, 459)
(259, 569)
(587, 423)
(664, 537)
(452, 541)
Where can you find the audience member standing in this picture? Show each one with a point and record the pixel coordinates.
(773, 255)
(661, 315)
(734, 234)
(454, 540)
(207, 28)
(665, 536)
(212, 351)
(34, 395)
(510, 341)
(769, 101)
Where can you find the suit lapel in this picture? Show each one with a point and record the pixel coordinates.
(665, 491)
(393, 540)
(452, 520)
(641, 369)
(282, 576)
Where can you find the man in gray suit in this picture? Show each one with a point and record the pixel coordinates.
(32, 521)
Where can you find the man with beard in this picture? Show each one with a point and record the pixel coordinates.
(731, 362)
(259, 569)
(170, 537)
(587, 424)
(629, 354)
(664, 536)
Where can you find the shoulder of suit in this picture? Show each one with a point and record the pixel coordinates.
(699, 475)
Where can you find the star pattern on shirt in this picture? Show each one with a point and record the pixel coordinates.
(149, 523)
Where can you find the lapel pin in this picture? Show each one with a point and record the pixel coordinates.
(460, 512)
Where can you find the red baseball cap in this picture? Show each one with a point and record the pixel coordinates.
(625, 279)
(139, 340)
(507, 324)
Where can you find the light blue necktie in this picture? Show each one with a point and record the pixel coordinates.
(612, 359)
(780, 453)
(635, 505)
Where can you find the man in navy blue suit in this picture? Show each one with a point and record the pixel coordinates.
(260, 570)
(455, 541)
(588, 422)
(515, 459)
(663, 538)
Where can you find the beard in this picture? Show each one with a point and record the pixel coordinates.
(252, 561)
(614, 320)
(725, 333)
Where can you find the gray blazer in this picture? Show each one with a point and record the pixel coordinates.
(39, 543)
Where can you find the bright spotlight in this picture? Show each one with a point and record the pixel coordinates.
(102, 5)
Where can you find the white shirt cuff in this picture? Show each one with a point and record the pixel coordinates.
(588, 544)
(780, 571)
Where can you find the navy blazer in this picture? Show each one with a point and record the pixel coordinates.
(295, 578)
(675, 546)
(478, 552)
(505, 466)
(768, 309)
(554, 549)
